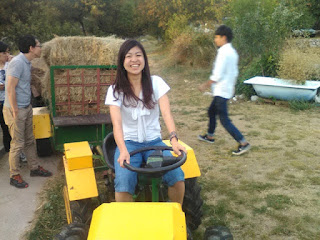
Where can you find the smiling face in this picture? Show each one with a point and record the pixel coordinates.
(134, 62)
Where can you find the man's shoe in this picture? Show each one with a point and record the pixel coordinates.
(17, 181)
(40, 171)
(241, 149)
(205, 138)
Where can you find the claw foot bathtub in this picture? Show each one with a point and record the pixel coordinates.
(284, 90)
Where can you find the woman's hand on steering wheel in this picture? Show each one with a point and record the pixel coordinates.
(124, 156)
(177, 147)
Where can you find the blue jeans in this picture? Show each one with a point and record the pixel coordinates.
(219, 107)
(126, 180)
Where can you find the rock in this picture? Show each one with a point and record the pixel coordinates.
(254, 98)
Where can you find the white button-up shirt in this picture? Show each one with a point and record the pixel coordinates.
(225, 71)
(140, 124)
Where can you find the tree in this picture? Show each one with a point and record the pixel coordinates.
(262, 26)
(78, 10)
(158, 14)
(314, 8)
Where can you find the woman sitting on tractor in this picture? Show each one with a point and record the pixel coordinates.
(134, 101)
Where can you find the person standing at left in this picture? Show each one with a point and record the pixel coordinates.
(17, 111)
(4, 58)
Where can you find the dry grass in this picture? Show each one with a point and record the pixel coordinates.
(299, 63)
(273, 191)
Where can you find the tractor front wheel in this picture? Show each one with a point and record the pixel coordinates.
(192, 203)
(79, 211)
(73, 231)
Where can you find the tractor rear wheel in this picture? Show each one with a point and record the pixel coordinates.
(73, 231)
(192, 203)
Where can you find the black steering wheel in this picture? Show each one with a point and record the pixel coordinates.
(156, 162)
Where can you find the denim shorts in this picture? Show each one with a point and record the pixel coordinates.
(126, 180)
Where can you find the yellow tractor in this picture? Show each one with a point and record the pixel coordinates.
(150, 215)
(89, 172)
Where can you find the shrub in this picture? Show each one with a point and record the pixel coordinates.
(194, 48)
(266, 65)
(299, 63)
(176, 25)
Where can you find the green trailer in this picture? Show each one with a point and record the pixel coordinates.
(77, 105)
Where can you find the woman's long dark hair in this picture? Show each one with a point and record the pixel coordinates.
(122, 83)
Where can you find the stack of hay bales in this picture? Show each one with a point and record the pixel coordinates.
(76, 51)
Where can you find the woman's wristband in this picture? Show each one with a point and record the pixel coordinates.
(173, 134)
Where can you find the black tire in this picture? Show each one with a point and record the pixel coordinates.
(44, 147)
(189, 234)
(218, 233)
(81, 211)
(73, 231)
(192, 203)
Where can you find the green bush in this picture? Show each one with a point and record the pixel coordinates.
(176, 25)
(194, 48)
(266, 65)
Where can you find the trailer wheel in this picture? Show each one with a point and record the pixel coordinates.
(73, 231)
(44, 148)
(192, 203)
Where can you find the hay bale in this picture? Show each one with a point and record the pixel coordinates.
(81, 51)
(38, 71)
(76, 51)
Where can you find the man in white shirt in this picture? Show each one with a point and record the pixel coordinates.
(222, 80)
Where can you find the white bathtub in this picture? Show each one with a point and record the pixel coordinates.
(277, 88)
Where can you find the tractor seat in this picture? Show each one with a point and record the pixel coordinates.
(108, 148)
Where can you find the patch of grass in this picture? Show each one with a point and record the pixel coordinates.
(52, 216)
(290, 143)
(272, 137)
(299, 165)
(278, 201)
(276, 173)
(300, 105)
(218, 214)
(268, 126)
(252, 187)
(254, 133)
(290, 155)
(315, 180)
(260, 210)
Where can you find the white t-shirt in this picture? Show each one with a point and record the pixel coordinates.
(2, 81)
(225, 71)
(140, 124)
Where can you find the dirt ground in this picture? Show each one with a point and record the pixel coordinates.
(273, 191)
